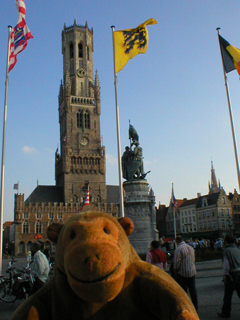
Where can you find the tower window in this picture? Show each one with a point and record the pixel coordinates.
(80, 50)
(25, 227)
(71, 52)
(87, 120)
(79, 119)
(38, 227)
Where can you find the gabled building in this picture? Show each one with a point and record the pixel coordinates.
(187, 212)
(235, 200)
(170, 223)
(214, 214)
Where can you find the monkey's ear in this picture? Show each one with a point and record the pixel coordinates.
(127, 225)
(33, 314)
(53, 231)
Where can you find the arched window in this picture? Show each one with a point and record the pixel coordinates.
(71, 52)
(21, 247)
(25, 227)
(38, 227)
(87, 120)
(79, 119)
(80, 50)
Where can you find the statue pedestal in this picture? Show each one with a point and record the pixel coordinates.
(139, 206)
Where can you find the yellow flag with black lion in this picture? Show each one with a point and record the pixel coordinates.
(130, 42)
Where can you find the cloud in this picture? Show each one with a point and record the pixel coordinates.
(49, 150)
(29, 150)
(111, 160)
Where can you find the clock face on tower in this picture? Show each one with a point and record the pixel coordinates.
(84, 141)
(81, 73)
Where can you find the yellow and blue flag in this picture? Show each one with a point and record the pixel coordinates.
(130, 42)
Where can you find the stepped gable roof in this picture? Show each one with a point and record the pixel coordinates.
(112, 194)
(189, 202)
(211, 198)
(45, 194)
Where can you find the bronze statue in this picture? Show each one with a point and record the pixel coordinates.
(132, 160)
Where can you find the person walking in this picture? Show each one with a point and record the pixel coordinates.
(184, 268)
(156, 257)
(231, 274)
(40, 269)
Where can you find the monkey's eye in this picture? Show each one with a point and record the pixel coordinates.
(106, 230)
(72, 235)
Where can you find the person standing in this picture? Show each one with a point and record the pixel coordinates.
(40, 269)
(156, 257)
(231, 274)
(184, 268)
(29, 256)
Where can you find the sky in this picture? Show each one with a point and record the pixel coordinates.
(174, 95)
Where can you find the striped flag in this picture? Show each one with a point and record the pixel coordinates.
(85, 201)
(174, 201)
(19, 36)
(230, 55)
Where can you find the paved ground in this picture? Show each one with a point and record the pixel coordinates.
(209, 288)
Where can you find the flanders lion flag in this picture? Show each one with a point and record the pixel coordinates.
(130, 42)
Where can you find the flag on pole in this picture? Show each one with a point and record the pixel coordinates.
(15, 186)
(230, 56)
(174, 201)
(19, 36)
(85, 201)
(130, 42)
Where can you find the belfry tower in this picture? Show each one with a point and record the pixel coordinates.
(80, 162)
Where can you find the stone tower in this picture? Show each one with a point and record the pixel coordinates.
(80, 163)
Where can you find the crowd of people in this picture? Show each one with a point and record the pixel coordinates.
(211, 244)
(183, 268)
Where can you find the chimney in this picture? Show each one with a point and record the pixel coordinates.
(198, 194)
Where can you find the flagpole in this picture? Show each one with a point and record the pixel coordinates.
(118, 134)
(230, 113)
(3, 151)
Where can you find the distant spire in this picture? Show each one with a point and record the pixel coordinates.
(214, 186)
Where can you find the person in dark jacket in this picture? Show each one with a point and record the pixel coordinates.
(231, 274)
